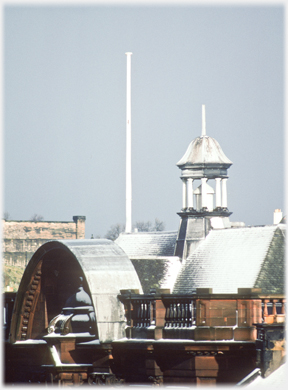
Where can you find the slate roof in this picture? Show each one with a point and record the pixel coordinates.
(229, 259)
(157, 272)
(143, 244)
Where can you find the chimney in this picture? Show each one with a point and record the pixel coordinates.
(80, 226)
(278, 215)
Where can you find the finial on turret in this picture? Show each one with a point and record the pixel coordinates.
(203, 120)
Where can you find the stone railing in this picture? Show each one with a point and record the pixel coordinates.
(200, 316)
(273, 310)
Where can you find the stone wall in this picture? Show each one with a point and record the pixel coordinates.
(22, 238)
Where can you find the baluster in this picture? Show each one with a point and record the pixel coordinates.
(135, 313)
(144, 319)
(171, 315)
(152, 313)
(180, 323)
(178, 314)
(190, 318)
(141, 313)
(191, 309)
(186, 320)
(168, 323)
(148, 313)
(183, 314)
(170, 311)
(191, 306)
(174, 314)
(166, 315)
(188, 314)
(144, 313)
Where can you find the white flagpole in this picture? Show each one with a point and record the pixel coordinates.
(128, 228)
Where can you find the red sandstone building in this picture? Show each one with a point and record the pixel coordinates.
(204, 305)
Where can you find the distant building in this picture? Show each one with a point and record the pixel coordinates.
(22, 238)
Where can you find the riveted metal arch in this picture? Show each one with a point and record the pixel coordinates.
(51, 275)
(34, 306)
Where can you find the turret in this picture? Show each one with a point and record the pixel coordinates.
(204, 160)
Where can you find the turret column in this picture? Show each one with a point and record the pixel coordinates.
(190, 192)
(204, 192)
(224, 193)
(218, 192)
(184, 194)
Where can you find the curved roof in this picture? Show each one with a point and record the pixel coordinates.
(204, 150)
(105, 269)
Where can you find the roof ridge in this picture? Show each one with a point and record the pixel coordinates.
(152, 232)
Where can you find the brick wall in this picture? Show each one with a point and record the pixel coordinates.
(22, 238)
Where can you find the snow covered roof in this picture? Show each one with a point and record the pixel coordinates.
(229, 259)
(157, 272)
(143, 244)
(152, 254)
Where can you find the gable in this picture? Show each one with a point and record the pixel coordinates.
(271, 276)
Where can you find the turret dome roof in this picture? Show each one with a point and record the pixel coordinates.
(204, 151)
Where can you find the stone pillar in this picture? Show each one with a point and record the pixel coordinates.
(283, 301)
(80, 226)
(204, 192)
(184, 195)
(270, 347)
(218, 192)
(224, 193)
(159, 319)
(190, 192)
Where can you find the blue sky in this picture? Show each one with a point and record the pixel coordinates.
(65, 108)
